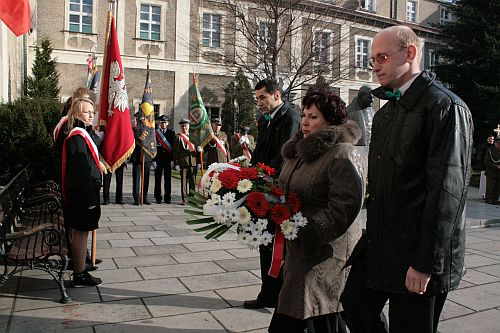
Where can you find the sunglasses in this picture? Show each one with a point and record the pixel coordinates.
(382, 58)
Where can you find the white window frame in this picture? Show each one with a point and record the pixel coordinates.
(263, 36)
(411, 11)
(211, 30)
(150, 34)
(433, 58)
(318, 56)
(357, 54)
(81, 15)
(368, 5)
(444, 15)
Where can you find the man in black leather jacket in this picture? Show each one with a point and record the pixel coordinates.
(419, 166)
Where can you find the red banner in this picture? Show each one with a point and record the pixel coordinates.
(118, 143)
(16, 15)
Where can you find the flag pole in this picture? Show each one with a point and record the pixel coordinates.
(142, 176)
(104, 68)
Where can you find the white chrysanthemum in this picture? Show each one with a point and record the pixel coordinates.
(216, 185)
(220, 217)
(255, 240)
(243, 237)
(289, 230)
(244, 186)
(266, 238)
(216, 199)
(244, 215)
(248, 227)
(233, 215)
(208, 208)
(228, 199)
(262, 223)
(299, 220)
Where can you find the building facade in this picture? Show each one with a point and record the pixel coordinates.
(203, 36)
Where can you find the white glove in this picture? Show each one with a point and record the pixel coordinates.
(199, 149)
(171, 164)
(153, 165)
(198, 166)
(244, 139)
(178, 168)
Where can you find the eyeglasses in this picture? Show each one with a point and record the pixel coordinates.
(382, 58)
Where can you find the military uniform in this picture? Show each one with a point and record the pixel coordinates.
(185, 159)
(215, 154)
(164, 158)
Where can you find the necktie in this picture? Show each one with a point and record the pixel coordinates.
(393, 95)
(267, 117)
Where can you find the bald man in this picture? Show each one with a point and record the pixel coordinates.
(413, 250)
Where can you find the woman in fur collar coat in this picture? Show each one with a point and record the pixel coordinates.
(322, 167)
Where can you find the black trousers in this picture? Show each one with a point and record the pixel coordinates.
(136, 180)
(106, 184)
(270, 288)
(409, 313)
(188, 176)
(161, 169)
(492, 189)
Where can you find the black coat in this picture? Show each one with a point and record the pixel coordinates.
(271, 139)
(162, 156)
(418, 176)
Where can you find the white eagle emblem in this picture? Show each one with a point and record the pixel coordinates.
(117, 97)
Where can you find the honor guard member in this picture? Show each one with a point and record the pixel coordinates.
(106, 184)
(217, 149)
(185, 159)
(242, 143)
(136, 160)
(164, 159)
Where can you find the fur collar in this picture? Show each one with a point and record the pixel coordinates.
(313, 146)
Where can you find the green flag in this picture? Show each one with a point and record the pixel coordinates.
(200, 131)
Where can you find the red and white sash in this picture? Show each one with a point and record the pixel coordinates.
(60, 124)
(186, 141)
(220, 144)
(92, 148)
(164, 142)
(245, 148)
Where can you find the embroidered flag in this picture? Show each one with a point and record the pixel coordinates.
(200, 131)
(118, 143)
(145, 133)
(16, 15)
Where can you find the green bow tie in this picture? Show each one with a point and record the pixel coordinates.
(267, 117)
(393, 96)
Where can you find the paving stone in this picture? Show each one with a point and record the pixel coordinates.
(475, 260)
(148, 234)
(452, 309)
(133, 218)
(182, 232)
(255, 272)
(218, 281)
(141, 289)
(141, 261)
(492, 270)
(41, 282)
(478, 298)
(160, 249)
(490, 246)
(244, 253)
(130, 242)
(113, 235)
(196, 322)
(6, 300)
(240, 319)
(111, 276)
(184, 303)
(236, 296)
(483, 322)
(115, 253)
(149, 222)
(131, 228)
(244, 264)
(167, 271)
(473, 239)
(188, 257)
(464, 284)
(178, 240)
(215, 245)
(75, 315)
(101, 244)
(112, 224)
(49, 298)
(475, 277)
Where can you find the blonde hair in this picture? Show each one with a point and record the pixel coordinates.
(79, 96)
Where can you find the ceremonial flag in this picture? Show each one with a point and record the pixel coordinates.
(16, 15)
(114, 116)
(145, 133)
(200, 131)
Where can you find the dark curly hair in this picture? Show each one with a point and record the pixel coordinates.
(331, 106)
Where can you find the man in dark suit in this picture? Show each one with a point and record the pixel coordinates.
(164, 159)
(278, 123)
(136, 160)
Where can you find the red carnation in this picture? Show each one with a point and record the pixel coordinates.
(277, 191)
(228, 179)
(294, 202)
(280, 213)
(249, 173)
(257, 203)
(270, 171)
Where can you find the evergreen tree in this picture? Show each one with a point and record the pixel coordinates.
(238, 108)
(44, 82)
(471, 64)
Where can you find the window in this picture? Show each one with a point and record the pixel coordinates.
(362, 56)
(433, 58)
(80, 16)
(211, 30)
(444, 15)
(321, 46)
(368, 5)
(213, 112)
(263, 35)
(411, 11)
(150, 22)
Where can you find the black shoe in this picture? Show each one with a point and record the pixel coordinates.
(167, 201)
(158, 201)
(84, 279)
(136, 203)
(258, 304)
(88, 260)
(119, 202)
(147, 203)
